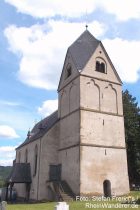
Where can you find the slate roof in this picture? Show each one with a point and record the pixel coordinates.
(21, 173)
(83, 48)
(41, 128)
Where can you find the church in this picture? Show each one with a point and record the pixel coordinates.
(80, 148)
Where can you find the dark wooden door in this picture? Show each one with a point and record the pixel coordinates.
(55, 172)
(107, 188)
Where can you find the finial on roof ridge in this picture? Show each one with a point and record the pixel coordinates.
(86, 27)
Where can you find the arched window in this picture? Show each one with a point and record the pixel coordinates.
(26, 156)
(35, 160)
(100, 65)
(97, 66)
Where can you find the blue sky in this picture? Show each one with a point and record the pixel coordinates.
(34, 37)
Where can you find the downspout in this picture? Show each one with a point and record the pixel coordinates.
(39, 169)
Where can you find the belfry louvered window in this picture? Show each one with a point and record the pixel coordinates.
(100, 65)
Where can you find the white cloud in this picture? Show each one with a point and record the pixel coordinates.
(7, 132)
(48, 107)
(7, 155)
(42, 53)
(9, 103)
(122, 9)
(7, 149)
(18, 119)
(42, 49)
(125, 57)
(50, 8)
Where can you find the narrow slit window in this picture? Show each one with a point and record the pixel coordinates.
(35, 160)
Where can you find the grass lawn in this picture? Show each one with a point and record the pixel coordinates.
(76, 205)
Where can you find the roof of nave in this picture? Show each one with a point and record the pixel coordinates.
(83, 48)
(41, 128)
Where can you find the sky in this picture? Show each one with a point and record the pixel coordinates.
(34, 37)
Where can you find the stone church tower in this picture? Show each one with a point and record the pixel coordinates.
(80, 147)
(92, 142)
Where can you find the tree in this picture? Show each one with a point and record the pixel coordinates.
(4, 173)
(132, 135)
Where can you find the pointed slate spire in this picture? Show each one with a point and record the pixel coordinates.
(83, 48)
